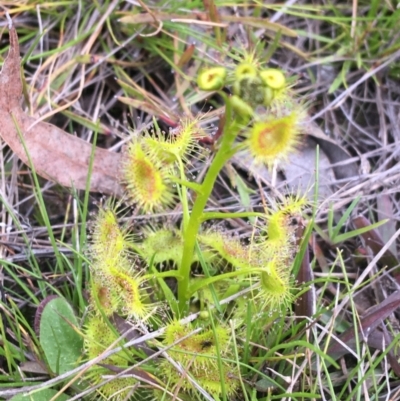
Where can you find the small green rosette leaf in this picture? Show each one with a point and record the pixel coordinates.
(61, 343)
(43, 395)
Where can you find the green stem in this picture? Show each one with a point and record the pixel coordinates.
(223, 154)
(169, 273)
(183, 195)
(224, 276)
(232, 215)
(191, 185)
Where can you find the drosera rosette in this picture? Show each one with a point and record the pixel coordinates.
(198, 355)
(100, 337)
(148, 182)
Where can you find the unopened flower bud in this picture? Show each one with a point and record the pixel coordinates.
(240, 107)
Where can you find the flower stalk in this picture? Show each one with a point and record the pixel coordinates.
(224, 153)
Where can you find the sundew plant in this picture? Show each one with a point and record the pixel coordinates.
(203, 288)
(154, 244)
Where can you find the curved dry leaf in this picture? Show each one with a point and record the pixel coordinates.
(55, 154)
(343, 167)
(297, 174)
(368, 323)
(373, 240)
(305, 304)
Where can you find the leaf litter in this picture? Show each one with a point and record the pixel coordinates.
(55, 154)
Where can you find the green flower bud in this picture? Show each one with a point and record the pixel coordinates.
(236, 88)
(212, 79)
(240, 107)
(269, 95)
(252, 90)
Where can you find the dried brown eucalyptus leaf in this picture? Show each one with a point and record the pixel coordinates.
(55, 155)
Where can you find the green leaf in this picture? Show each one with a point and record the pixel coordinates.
(265, 384)
(86, 122)
(354, 233)
(244, 194)
(344, 218)
(61, 343)
(169, 295)
(43, 395)
(337, 82)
